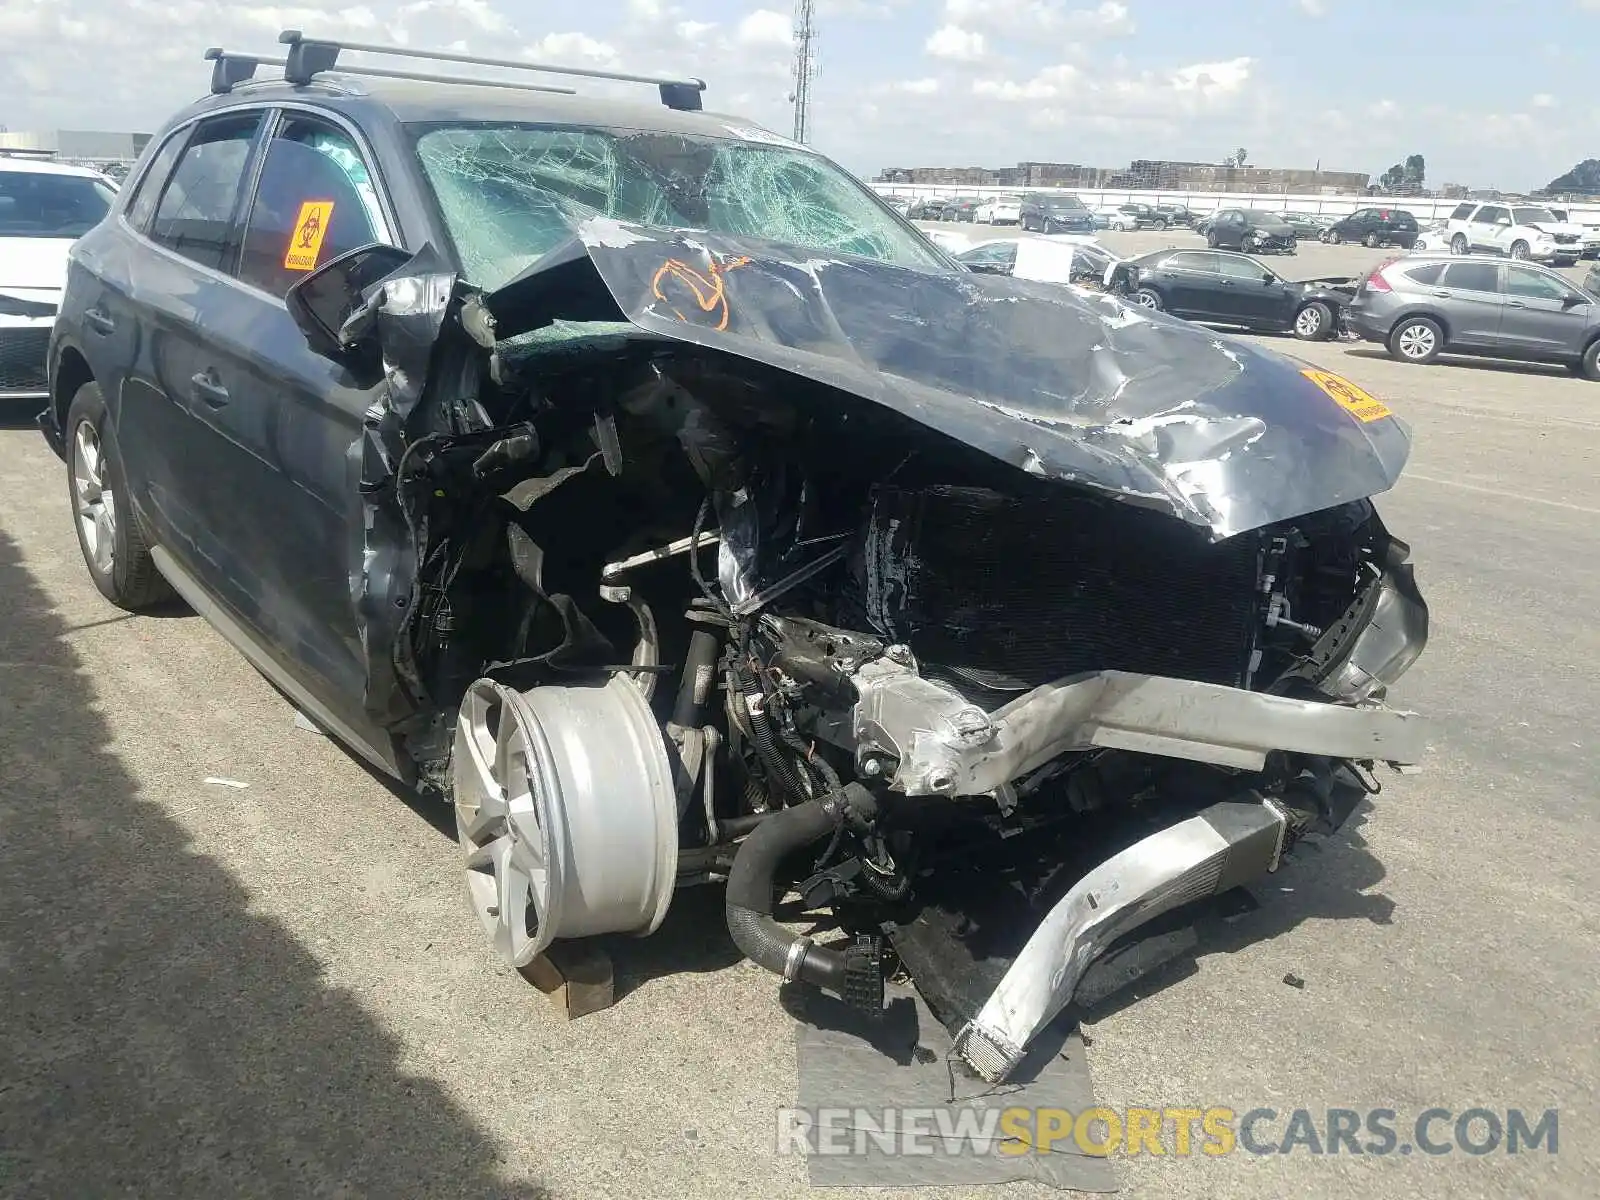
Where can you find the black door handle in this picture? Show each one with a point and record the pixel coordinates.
(98, 321)
(208, 389)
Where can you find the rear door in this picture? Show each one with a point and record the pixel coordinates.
(1195, 287)
(281, 420)
(1490, 228)
(1472, 300)
(1543, 316)
(160, 314)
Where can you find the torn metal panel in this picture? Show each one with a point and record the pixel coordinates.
(1219, 848)
(1062, 384)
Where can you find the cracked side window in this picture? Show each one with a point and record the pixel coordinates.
(510, 194)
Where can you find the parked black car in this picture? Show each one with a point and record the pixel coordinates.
(1375, 227)
(1305, 225)
(1216, 287)
(1176, 214)
(964, 210)
(1248, 229)
(1056, 214)
(928, 208)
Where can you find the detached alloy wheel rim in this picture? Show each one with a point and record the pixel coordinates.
(93, 499)
(1417, 341)
(504, 819)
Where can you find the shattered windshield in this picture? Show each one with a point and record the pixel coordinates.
(510, 194)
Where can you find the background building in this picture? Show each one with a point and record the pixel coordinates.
(84, 146)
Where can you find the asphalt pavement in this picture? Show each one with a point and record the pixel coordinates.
(277, 989)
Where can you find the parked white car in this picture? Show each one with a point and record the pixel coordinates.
(44, 208)
(1432, 239)
(1113, 217)
(999, 210)
(1591, 230)
(1523, 231)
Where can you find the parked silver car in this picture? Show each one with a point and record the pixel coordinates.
(1421, 306)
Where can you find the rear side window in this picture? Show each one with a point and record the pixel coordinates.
(1462, 212)
(196, 210)
(1191, 260)
(1473, 277)
(317, 199)
(1428, 276)
(143, 204)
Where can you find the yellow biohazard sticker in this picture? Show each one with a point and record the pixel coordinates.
(1360, 404)
(305, 243)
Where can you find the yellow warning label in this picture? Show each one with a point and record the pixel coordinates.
(310, 227)
(1361, 404)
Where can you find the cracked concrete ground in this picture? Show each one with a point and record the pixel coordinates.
(279, 990)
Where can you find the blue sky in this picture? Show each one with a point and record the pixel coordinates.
(1493, 94)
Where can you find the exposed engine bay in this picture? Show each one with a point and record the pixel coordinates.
(657, 613)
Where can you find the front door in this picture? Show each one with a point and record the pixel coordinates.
(1255, 294)
(280, 429)
(1543, 317)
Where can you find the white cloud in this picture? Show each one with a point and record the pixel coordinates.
(766, 28)
(1212, 78)
(1030, 18)
(570, 49)
(1313, 8)
(918, 87)
(693, 31)
(1544, 100)
(1050, 84)
(956, 44)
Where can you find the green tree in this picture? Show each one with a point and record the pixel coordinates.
(1416, 170)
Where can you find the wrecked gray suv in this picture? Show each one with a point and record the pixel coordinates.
(640, 483)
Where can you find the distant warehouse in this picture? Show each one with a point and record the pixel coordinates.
(79, 145)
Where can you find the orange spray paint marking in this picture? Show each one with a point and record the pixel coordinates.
(709, 290)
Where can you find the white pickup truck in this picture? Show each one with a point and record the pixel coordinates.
(1522, 231)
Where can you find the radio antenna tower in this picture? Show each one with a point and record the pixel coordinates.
(805, 65)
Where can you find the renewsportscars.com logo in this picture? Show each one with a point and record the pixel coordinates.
(1178, 1132)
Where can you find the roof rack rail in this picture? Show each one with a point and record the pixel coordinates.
(308, 56)
(229, 70)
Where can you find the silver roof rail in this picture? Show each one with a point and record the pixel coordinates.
(309, 56)
(229, 70)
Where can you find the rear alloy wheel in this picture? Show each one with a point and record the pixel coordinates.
(1372, 242)
(1416, 340)
(1458, 244)
(1148, 298)
(1519, 250)
(114, 547)
(1161, 226)
(1312, 323)
(1590, 367)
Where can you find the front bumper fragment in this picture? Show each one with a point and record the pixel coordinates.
(1211, 853)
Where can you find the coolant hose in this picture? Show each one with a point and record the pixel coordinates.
(855, 974)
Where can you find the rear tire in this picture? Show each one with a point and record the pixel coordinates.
(1372, 242)
(1416, 340)
(1519, 250)
(1458, 245)
(1590, 366)
(115, 549)
(1161, 226)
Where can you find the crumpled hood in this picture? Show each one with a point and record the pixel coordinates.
(1275, 228)
(1554, 228)
(1060, 383)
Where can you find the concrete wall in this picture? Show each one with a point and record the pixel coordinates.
(1423, 208)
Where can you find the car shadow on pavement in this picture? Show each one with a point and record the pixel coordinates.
(159, 1038)
(1473, 363)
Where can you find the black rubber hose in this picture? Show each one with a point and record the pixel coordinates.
(750, 894)
(856, 973)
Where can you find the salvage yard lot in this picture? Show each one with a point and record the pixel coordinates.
(279, 989)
